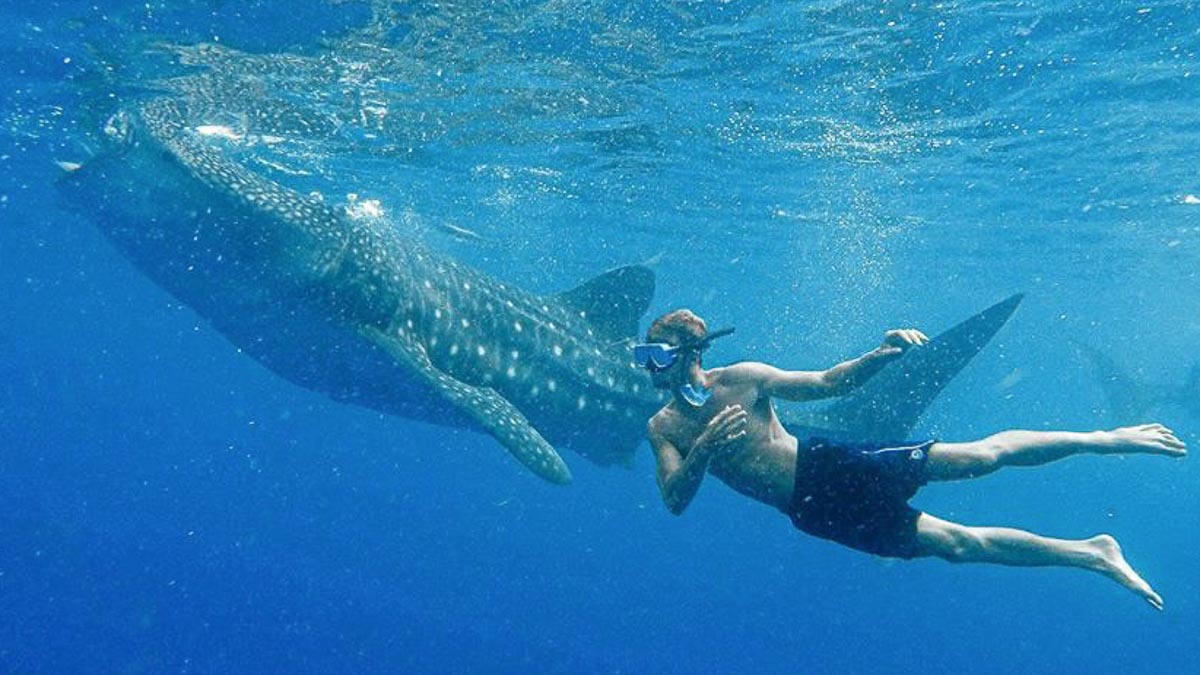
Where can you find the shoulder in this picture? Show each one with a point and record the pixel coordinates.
(744, 372)
(657, 421)
(661, 429)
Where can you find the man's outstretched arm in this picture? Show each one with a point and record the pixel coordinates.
(804, 385)
(679, 477)
(848, 375)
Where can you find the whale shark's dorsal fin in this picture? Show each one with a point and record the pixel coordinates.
(889, 404)
(614, 301)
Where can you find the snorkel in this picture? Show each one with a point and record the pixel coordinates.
(696, 397)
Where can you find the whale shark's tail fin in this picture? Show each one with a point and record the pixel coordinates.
(614, 301)
(1126, 400)
(888, 405)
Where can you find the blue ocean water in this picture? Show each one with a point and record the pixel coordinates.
(813, 173)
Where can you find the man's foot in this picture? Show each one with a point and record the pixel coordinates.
(1112, 564)
(1154, 439)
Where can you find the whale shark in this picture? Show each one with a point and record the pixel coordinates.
(353, 308)
(1129, 398)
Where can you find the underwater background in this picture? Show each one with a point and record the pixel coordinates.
(811, 172)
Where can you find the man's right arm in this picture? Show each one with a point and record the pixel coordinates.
(805, 385)
(679, 477)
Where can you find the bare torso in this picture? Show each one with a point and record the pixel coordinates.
(761, 464)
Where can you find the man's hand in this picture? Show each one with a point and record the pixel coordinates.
(724, 428)
(900, 340)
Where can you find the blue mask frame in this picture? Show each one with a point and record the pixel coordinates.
(656, 356)
(659, 356)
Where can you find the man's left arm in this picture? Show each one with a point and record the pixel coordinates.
(799, 385)
(847, 376)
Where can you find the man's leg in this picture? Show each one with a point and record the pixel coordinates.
(955, 461)
(1005, 546)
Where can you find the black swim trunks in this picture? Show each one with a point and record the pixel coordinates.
(857, 494)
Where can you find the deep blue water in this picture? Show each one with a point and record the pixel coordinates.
(813, 173)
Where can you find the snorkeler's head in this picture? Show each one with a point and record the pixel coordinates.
(673, 343)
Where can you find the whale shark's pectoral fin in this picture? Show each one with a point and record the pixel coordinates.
(484, 405)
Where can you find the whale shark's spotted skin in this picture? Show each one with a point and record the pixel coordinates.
(351, 308)
(259, 256)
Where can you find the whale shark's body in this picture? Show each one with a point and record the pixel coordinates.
(351, 308)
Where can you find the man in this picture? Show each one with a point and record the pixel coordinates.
(722, 421)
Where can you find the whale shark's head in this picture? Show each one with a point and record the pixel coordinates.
(132, 188)
(172, 205)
